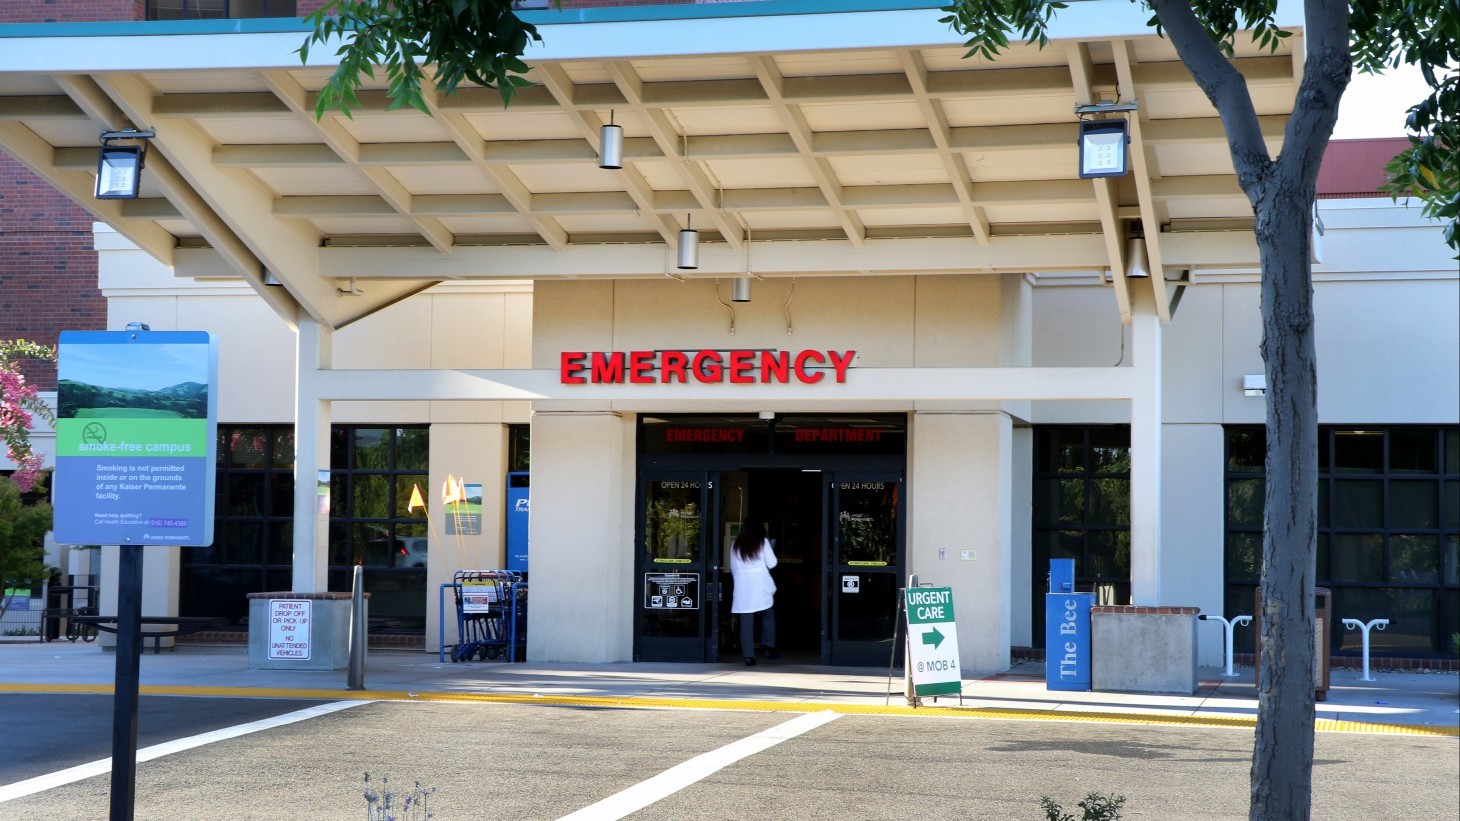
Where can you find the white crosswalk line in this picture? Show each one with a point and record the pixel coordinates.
(676, 778)
(40, 783)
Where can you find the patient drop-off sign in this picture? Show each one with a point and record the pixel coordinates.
(289, 629)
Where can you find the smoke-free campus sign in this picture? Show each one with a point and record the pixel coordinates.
(136, 431)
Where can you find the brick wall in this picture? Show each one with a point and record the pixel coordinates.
(69, 11)
(47, 265)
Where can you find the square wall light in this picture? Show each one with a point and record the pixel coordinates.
(119, 172)
(1103, 148)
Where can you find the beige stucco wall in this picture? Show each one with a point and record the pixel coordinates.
(466, 326)
(1388, 345)
(960, 460)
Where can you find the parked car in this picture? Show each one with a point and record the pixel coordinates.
(410, 551)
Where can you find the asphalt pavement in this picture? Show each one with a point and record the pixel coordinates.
(1427, 702)
(515, 761)
(538, 740)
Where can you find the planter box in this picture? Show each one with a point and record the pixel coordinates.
(299, 631)
(1143, 649)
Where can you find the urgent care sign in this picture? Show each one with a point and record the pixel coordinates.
(737, 367)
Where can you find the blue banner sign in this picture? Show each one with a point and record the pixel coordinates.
(136, 437)
(518, 505)
(1067, 640)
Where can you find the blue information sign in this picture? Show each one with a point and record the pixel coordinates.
(1067, 640)
(136, 435)
(518, 502)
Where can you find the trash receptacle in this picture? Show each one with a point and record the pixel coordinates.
(1322, 625)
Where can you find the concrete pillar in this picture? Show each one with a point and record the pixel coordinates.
(477, 454)
(582, 536)
(1193, 531)
(1145, 451)
(1022, 567)
(961, 484)
(313, 353)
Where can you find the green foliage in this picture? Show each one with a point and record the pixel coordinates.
(22, 540)
(1094, 807)
(1426, 34)
(481, 41)
(988, 23)
(185, 400)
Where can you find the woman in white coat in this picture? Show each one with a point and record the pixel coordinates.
(751, 560)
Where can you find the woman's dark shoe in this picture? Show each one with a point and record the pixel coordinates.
(770, 653)
(750, 661)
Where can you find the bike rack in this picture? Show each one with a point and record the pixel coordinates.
(1229, 626)
(1356, 624)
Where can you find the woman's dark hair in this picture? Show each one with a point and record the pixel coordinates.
(748, 540)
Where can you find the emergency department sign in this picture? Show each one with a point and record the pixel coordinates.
(932, 658)
(136, 433)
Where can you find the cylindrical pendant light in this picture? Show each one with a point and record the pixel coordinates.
(1137, 264)
(611, 142)
(689, 247)
(740, 290)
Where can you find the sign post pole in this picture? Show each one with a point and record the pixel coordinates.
(136, 440)
(124, 699)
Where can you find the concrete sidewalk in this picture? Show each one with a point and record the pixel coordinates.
(1427, 702)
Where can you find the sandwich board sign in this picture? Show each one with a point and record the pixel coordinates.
(932, 658)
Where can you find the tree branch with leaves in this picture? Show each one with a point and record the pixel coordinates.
(478, 41)
(19, 405)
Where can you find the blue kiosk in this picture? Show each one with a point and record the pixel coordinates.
(1066, 630)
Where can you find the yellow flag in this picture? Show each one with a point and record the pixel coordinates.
(450, 491)
(416, 500)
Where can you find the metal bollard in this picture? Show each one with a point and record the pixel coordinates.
(1355, 623)
(356, 678)
(1229, 626)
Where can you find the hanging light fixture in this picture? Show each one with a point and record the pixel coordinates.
(689, 246)
(740, 289)
(611, 142)
(1137, 264)
(119, 167)
(740, 286)
(1103, 142)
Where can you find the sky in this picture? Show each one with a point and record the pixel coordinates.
(145, 367)
(1376, 105)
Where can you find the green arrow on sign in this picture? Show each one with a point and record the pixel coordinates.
(933, 637)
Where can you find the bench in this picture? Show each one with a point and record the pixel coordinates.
(182, 626)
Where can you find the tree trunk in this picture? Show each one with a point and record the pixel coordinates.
(1282, 758)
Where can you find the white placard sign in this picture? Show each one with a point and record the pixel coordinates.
(289, 628)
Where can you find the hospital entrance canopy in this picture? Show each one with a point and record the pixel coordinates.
(841, 137)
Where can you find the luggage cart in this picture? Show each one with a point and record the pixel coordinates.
(487, 609)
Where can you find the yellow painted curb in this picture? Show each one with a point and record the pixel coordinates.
(1322, 725)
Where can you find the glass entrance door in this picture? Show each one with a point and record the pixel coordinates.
(677, 577)
(864, 567)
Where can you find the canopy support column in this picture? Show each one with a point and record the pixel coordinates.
(314, 353)
(1145, 450)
